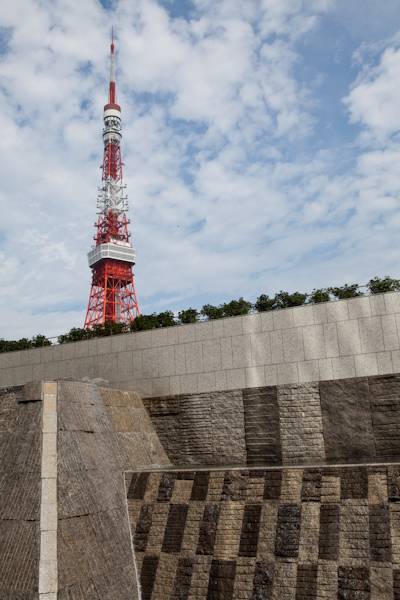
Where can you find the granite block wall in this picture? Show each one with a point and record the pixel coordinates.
(326, 422)
(335, 340)
(20, 466)
(257, 534)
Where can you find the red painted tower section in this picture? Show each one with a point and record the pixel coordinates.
(112, 295)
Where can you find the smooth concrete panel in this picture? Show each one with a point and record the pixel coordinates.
(255, 377)
(392, 302)
(283, 319)
(337, 311)
(118, 343)
(385, 364)
(186, 334)
(320, 313)
(325, 369)
(180, 361)
(235, 379)
(159, 337)
(188, 384)
(166, 361)
(81, 349)
(206, 382)
(233, 326)
(287, 373)
(203, 333)
(267, 321)
(143, 340)
(308, 371)
(331, 340)
(343, 367)
(150, 362)
(276, 347)
(124, 360)
(366, 364)
(390, 332)
(271, 374)
(226, 353)
(251, 324)
(103, 345)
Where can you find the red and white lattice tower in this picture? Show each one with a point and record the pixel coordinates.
(112, 295)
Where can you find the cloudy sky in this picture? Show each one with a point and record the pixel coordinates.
(261, 142)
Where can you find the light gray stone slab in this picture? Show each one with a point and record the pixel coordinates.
(212, 355)
(343, 367)
(67, 352)
(109, 367)
(194, 357)
(366, 364)
(131, 341)
(390, 332)
(303, 315)
(92, 347)
(49, 466)
(49, 443)
(203, 331)
(218, 328)
(137, 364)
(124, 360)
(220, 380)
(293, 347)
(48, 545)
(308, 371)
(232, 326)
(235, 379)
(48, 517)
(226, 353)
(396, 361)
(19, 375)
(38, 371)
(271, 374)
(331, 340)
(50, 371)
(172, 335)
(251, 323)
(337, 311)
(33, 356)
(283, 319)
(49, 490)
(174, 387)
(81, 349)
(206, 382)
(288, 373)
(348, 338)
(267, 321)
(241, 351)
(118, 343)
(161, 386)
(385, 365)
(180, 360)
(144, 387)
(48, 576)
(371, 335)
(46, 354)
(6, 378)
(359, 308)
(377, 304)
(166, 361)
(186, 334)
(49, 423)
(392, 302)
(325, 369)
(159, 337)
(255, 377)
(150, 362)
(188, 384)
(50, 596)
(314, 342)
(143, 340)
(276, 347)
(260, 349)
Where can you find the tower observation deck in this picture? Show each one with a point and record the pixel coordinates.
(112, 294)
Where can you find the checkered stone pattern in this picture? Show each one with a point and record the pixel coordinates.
(259, 534)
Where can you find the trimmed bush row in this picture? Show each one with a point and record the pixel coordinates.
(209, 312)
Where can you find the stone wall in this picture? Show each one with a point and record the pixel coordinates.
(345, 420)
(289, 534)
(20, 471)
(334, 340)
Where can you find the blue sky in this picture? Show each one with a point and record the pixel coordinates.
(261, 143)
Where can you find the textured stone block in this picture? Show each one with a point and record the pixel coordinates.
(366, 364)
(392, 302)
(347, 422)
(288, 373)
(194, 357)
(390, 332)
(260, 349)
(251, 324)
(314, 342)
(233, 326)
(288, 531)
(283, 319)
(337, 311)
(303, 315)
(241, 351)
(308, 371)
(261, 425)
(349, 338)
(212, 355)
(344, 367)
(203, 331)
(150, 362)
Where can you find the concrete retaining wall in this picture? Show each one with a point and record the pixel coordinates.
(334, 340)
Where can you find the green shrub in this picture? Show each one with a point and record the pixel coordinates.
(191, 315)
(320, 295)
(264, 303)
(347, 291)
(286, 300)
(379, 286)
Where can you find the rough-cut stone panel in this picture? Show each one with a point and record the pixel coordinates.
(306, 587)
(250, 530)
(222, 579)
(312, 484)
(196, 427)
(301, 423)
(229, 528)
(183, 579)
(347, 421)
(354, 527)
(19, 564)
(208, 529)
(227, 422)
(380, 548)
(263, 580)
(328, 544)
(262, 429)
(174, 528)
(353, 582)
(288, 531)
(165, 415)
(385, 407)
(309, 533)
(148, 576)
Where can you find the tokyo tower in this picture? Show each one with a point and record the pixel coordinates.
(112, 295)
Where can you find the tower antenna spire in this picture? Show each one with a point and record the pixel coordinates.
(112, 295)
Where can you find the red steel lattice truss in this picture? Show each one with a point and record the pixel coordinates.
(112, 295)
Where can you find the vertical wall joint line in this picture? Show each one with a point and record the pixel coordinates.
(48, 572)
